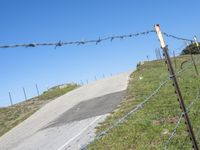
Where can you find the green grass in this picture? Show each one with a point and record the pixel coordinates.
(13, 115)
(151, 126)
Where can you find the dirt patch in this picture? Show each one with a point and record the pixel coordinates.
(171, 120)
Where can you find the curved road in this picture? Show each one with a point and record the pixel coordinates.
(69, 121)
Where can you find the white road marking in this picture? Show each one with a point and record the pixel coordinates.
(64, 145)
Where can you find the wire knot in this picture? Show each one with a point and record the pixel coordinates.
(98, 41)
(58, 44)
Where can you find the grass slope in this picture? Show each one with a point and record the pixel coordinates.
(13, 115)
(151, 126)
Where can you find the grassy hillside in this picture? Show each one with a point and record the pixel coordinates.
(13, 115)
(151, 126)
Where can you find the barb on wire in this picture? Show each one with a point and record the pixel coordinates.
(177, 38)
(180, 119)
(121, 120)
(96, 41)
(174, 131)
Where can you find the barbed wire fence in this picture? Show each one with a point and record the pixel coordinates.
(133, 111)
(94, 41)
(180, 119)
(175, 83)
(33, 91)
(196, 60)
(142, 104)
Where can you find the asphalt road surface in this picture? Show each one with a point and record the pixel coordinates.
(69, 121)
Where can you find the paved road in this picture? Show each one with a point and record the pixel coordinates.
(69, 121)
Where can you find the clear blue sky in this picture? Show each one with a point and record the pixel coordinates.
(25, 21)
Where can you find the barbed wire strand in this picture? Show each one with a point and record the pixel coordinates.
(82, 42)
(174, 131)
(180, 118)
(176, 37)
(96, 41)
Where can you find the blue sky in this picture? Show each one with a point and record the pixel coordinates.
(27, 21)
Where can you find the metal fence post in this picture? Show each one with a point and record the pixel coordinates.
(156, 51)
(24, 94)
(175, 64)
(38, 92)
(159, 54)
(176, 86)
(11, 103)
(195, 66)
(192, 58)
